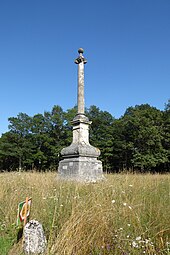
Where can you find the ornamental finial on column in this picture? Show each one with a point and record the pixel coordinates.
(80, 57)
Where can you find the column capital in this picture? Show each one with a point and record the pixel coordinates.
(80, 57)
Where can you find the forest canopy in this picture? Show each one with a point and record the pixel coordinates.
(138, 141)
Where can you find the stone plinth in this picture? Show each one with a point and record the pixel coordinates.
(80, 161)
(83, 169)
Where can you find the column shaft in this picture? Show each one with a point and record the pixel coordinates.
(80, 99)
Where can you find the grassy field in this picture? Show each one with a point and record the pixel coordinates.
(124, 215)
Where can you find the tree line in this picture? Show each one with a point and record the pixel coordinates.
(137, 141)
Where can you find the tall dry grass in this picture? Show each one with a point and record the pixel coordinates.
(126, 214)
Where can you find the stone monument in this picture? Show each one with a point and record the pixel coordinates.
(80, 161)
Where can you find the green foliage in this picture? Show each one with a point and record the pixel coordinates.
(166, 130)
(5, 245)
(101, 133)
(138, 141)
(143, 132)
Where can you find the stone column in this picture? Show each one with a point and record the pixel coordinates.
(80, 92)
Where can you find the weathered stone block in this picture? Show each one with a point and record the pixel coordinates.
(34, 238)
(83, 169)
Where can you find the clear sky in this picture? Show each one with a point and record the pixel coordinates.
(126, 43)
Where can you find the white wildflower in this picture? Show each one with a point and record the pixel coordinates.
(113, 201)
(125, 204)
(134, 244)
(138, 238)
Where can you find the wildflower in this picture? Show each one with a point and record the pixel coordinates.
(61, 205)
(113, 201)
(94, 181)
(128, 225)
(134, 244)
(108, 247)
(138, 238)
(125, 204)
(130, 207)
(130, 185)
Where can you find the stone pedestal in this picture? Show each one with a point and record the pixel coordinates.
(80, 161)
(83, 169)
(80, 158)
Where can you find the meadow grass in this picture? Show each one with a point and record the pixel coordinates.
(125, 214)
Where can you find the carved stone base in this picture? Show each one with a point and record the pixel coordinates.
(82, 169)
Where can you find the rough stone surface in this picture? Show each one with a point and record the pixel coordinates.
(82, 169)
(78, 149)
(34, 238)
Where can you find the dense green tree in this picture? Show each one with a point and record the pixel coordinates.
(166, 135)
(68, 117)
(101, 136)
(16, 152)
(139, 140)
(119, 147)
(57, 135)
(143, 134)
(20, 124)
(20, 146)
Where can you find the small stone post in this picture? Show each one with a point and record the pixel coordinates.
(34, 240)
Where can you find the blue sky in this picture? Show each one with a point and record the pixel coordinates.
(126, 43)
